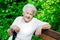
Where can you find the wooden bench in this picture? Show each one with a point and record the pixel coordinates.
(47, 35)
(50, 35)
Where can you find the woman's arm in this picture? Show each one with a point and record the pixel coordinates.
(39, 29)
(46, 26)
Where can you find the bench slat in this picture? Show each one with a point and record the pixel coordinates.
(46, 37)
(51, 33)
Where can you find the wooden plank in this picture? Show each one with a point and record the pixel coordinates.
(51, 33)
(46, 37)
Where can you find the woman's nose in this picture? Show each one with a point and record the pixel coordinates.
(28, 16)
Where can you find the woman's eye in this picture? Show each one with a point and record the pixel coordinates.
(27, 13)
(30, 14)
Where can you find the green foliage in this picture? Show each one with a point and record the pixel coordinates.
(48, 10)
(8, 12)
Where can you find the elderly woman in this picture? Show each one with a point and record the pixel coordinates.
(26, 25)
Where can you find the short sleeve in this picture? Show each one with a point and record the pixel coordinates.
(16, 22)
(41, 23)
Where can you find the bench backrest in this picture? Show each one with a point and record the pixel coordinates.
(50, 35)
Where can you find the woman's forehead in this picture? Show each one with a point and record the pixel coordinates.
(29, 11)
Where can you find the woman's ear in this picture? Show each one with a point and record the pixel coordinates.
(22, 13)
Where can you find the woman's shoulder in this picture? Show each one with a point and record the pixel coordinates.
(19, 17)
(35, 19)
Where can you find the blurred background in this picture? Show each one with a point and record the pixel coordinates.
(48, 11)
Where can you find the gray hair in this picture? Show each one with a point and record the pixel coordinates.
(29, 7)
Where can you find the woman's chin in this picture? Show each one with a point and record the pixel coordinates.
(27, 21)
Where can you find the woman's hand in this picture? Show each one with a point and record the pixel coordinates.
(15, 28)
(9, 31)
(38, 31)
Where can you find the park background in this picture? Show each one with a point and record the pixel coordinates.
(47, 10)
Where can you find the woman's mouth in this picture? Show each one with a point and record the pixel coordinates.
(28, 17)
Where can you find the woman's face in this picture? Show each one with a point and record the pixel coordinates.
(28, 15)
